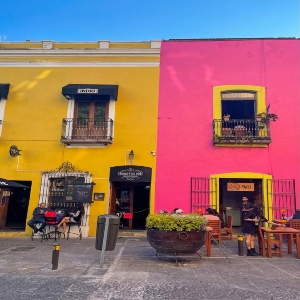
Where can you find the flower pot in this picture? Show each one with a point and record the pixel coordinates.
(175, 241)
(226, 118)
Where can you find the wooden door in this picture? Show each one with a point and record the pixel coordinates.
(4, 200)
(126, 205)
(90, 119)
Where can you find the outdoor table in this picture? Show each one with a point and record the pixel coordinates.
(279, 221)
(283, 231)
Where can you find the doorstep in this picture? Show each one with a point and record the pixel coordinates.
(125, 233)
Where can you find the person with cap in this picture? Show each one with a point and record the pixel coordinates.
(295, 216)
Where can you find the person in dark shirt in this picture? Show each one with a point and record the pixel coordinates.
(295, 216)
(245, 207)
(38, 217)
(252, 220)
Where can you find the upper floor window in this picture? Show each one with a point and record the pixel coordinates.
(235, 109)
(239, 104)
(90, 116)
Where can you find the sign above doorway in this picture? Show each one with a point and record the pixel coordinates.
(130, 173)
(240, 187)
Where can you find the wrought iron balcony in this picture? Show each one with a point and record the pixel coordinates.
(87, 131)
(236, 131)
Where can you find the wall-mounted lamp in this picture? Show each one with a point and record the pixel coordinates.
(14, 151)
(131, 154)
(153, 153)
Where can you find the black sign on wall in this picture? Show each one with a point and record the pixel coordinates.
(130, 174)
(79, 193)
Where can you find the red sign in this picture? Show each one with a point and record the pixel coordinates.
(127, 216)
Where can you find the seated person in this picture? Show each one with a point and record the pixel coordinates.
(74, 218)
(295, 216)
(38, 217)
(212, 214)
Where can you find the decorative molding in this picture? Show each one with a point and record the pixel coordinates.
(115, 52)
(79, 64)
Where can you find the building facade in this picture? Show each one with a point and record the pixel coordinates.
(83, 116)
(217, 139)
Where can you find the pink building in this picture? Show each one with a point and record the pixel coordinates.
(204, 160)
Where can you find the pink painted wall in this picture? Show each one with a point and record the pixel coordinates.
(189, 71)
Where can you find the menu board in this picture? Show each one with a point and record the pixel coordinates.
(79, 192)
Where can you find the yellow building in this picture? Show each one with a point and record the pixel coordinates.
(73, 114)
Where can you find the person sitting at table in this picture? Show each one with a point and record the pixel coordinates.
(213, 212)
(295, 216)
(38, 217)
(74, 218)
(250, 227)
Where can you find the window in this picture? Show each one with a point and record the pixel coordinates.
(247, 101)
(234, 115)
(90, 116)
(239, 105)
(91, 119)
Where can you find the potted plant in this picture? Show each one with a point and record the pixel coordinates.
(267, 117)
(176, 234)
(258, 117)
(226, 117)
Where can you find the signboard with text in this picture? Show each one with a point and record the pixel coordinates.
(130, 174)
(79, 193)
(240, 187)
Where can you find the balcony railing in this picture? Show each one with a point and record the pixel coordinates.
(84, 131)
(241, 131)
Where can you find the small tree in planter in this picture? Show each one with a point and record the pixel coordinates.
(176, 234)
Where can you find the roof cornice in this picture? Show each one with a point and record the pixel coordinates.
(79, 52)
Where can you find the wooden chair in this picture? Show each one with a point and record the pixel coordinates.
(226, 232)
(263, 244)
(296, 225)
(216, 229)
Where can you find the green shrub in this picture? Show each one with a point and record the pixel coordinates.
(187, 222)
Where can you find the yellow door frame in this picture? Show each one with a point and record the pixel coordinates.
(266, 197)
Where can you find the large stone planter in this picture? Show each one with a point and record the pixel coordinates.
(175, 242)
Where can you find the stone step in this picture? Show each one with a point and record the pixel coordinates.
(132, 233)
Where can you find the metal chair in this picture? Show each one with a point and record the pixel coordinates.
(226, 232)
(73, 224)
(50, 218)
(37, 234)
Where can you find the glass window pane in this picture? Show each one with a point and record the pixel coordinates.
(83, 110)
(100, 110)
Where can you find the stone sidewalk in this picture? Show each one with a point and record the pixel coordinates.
(132, 271)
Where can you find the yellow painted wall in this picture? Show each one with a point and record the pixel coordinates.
(33, 121)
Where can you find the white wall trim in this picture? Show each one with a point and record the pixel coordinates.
(75, 64)
(2, 109)
(117, 52)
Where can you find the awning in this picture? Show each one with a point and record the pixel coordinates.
(93, 91)
(4, 87)
(4, 183)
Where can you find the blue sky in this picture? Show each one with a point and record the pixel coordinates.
(144, 20)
